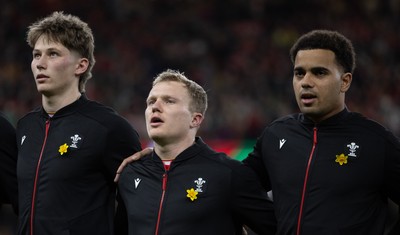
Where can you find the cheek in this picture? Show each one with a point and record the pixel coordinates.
(62, 66)
(333, 88)
(181, 118)
(296, 87)
(147, 113)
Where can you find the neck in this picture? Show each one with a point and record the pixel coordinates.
(52, 104)
(170, 151)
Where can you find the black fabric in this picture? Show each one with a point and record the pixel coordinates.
(8, 164)
(72, 191)
(229, 195)
(338, 199)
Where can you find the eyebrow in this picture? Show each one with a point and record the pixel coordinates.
(46, 49)
(160, 96)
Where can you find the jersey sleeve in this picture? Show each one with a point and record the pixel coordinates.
(250, 201)
(392, 177)
(255, 161)
(8, 164)
(122, 141)
(392, 169)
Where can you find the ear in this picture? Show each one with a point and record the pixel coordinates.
(81, 66)
(346, 82)
(197, 119)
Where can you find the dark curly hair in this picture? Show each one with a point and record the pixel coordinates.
(329, 40)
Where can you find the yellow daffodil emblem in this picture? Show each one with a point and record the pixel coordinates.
(63, 149)
(192, 194)
(341, 159)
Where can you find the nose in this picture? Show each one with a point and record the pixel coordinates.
(39, 63)
(156, 106)
(307, 81)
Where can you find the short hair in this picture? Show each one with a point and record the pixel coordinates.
(329, 40)
(196, 92)
(71, 32)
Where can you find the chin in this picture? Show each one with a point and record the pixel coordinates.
(155, 136)
(42, 89)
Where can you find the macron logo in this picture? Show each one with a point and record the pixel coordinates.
(23, 139)
(281, 143)
(137, 181)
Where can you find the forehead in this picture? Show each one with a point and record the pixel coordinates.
(315, 58)
(170, 88)
(45, 42)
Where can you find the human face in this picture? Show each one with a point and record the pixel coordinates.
(168, 116)
(55, 68)
(319, 84)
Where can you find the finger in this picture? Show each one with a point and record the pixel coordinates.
(146, 151)
(116, 177)
(119, 170)
(130, 159)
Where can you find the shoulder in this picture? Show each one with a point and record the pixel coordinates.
(31, 114)
(98, 111)
(286, 120)
(7, 129)
(104, 115)
(4, 122)
(210, 155)
(373, 132)
(282, 123)
(366, 125)
(220, 158)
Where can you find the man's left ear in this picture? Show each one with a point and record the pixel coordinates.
(197, 120)
(82, 66)
(346, 82)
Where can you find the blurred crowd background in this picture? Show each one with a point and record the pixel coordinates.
(237, 49)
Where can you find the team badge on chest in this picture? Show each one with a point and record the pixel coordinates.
(75, 142)
(351, 153)
(200, 186)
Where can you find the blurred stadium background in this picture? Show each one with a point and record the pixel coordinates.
(237, 49)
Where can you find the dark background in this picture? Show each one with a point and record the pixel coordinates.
(237, 49)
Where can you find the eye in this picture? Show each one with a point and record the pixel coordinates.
(299, 73)
(150, 102)
(53, 54)
(170, 101)
(320, 72)
(36, 55)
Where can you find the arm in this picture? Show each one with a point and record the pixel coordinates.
(8, 164)
(395, 228)
(123, 140)
(393, 178)
(255, 161)
(250, 202)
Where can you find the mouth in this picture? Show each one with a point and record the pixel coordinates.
(155, 121)
(41, 76)
(308, 98)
